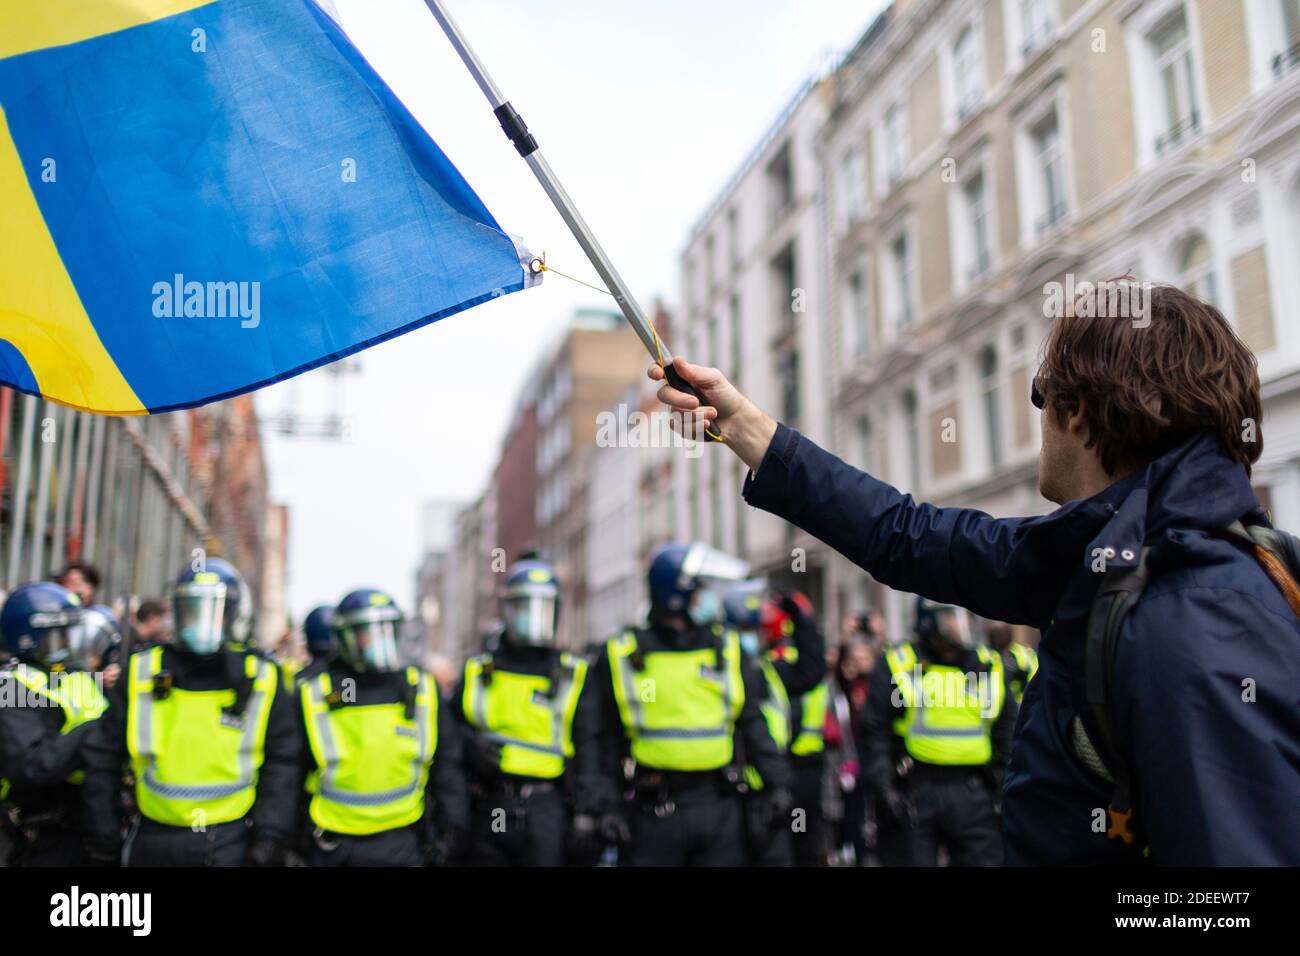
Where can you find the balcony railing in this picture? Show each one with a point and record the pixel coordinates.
(1177, 133)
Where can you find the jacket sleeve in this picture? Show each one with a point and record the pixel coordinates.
(594, 791)
(1003, 728)
(1207, 692)
(751, 726)
(600, 782)
(33, 754)
(448, 789)
(106, 755)
(955, 555)
(809, 668)
(879, 742)
(280, 778)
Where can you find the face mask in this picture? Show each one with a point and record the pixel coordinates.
(749, 643)
(531, 620)
(199, 617)
(706, 608)
(378, 645)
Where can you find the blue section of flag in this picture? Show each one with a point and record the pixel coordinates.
(14, 369)
(178, 167)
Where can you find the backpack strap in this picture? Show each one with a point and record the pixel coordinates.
(1119, 592)
(1278, 554)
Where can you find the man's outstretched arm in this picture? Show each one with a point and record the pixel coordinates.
(953, 555)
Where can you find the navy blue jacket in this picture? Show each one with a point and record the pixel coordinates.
(1207, 683)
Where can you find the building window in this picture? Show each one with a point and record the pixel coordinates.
(784, 281)
(780, 181)
(988, 368)
(860, 314)
(852, 186)
(1289, 59)
(1196, 270)
(902, 265)
(866, 446)
(733, 237)
(912, 439)
(737, 352)
(895, 144)
(976, 199)
(1049, 159)
(742, 539)
(1171, 47)
(788, 372)
(968, 71)
(710, 266)
(1037, 24)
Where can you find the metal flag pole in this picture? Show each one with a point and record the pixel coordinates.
(524, 141)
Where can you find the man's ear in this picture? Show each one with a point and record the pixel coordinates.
(1076, 424)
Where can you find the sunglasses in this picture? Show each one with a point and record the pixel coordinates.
(1036, 396)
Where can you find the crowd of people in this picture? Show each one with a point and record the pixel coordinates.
(724, 729)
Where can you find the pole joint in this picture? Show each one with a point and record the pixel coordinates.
(516, 129)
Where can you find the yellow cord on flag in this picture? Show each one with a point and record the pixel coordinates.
(539, 265)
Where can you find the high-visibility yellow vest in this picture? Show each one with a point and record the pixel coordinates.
(776, 711)
(775, 705)
(76, 693)
(1027, 660)
(811, 736)
(943, 721)
(195, 762)
(372, 760)
(679, 710)
(530, 719)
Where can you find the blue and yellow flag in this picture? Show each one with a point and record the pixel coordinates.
(201, 197)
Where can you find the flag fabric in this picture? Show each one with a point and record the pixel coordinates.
(198, 199)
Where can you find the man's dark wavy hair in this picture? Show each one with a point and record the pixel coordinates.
(1149, 383)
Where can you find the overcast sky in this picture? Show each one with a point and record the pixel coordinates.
(644, 110)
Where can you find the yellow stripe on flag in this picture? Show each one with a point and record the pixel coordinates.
(41, 313)
(27, 25)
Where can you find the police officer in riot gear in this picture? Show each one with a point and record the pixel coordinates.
(1020, 660)
(320, 640)
(381, 756)
(682, 699)
(49, 705)
(207, 733)
(533, 730)
(778, 628)
(938, 723)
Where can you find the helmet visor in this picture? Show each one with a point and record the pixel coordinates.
(531, 618)
(199, 610)
(371, 639)
(707, 564)
(952, 627)
(62, 643)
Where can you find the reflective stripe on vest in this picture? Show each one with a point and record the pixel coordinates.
(679, 712)
(1026, 659)
(813, 706)
(536, 736)
(195, 764)
(777, 713)
(372, 762)
(76, 693)
(943, 722)
(775, 706)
